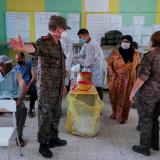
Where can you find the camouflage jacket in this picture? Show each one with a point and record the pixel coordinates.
(149, 70)
(51, 66)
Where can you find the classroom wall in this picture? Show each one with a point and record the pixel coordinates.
(158, 12)
(146, 8)
(3, 6)
(128, 8)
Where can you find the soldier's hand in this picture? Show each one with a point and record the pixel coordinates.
(19, 103)
(17, 44)
(132, 98)
(64, 91)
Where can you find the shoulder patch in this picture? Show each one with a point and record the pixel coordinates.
(45, 38)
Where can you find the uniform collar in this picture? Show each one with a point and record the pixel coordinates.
(157, 49)
(51, 37)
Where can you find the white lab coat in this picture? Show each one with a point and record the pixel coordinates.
(93, 59)
(67, 46)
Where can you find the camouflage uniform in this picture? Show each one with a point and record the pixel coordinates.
(149, 94)
(50, 83)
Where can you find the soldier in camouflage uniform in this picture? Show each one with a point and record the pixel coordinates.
(50, 82)
(148, 103)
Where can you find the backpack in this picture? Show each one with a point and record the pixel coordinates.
(112, 38)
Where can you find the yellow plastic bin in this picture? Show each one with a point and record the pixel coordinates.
(84, 112)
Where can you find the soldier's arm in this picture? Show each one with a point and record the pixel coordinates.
(145, 67)
(18, 45)
(29, 48)
(138, 84)
(143, 75)
(38, 49)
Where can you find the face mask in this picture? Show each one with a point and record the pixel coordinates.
(125, 45)
(57, 34)
(20, 62)
(82, 41)
(64, 35)
(1, 77)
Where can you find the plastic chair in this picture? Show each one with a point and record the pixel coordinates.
(6, 133)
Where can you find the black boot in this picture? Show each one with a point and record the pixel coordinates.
(155, 147)
(56, 142)
(45, 151)
(142, 150)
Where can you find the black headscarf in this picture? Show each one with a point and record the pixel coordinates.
(127, 54)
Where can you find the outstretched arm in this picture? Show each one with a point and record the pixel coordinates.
(18, 45)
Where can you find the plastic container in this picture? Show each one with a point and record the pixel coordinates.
(86, 76)
(84, 85)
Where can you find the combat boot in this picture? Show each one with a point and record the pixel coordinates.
(56, 142)
(45, 151)
(155, 147)
(142, 150)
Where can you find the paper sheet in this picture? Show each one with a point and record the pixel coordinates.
(74, 23)
(146, 31)
(18, 24)
(115, 22)
(138, 20)
(155, 28)
(97, 5)
(127, 30)
(99, 24)
(145, 40)
(11, 25)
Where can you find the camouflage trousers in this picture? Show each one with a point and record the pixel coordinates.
(49, 113)
(148, 107)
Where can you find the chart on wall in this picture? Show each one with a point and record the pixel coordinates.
(140, 32)
(99, 24)
(41, 22)
(18, 24)
(74, 23)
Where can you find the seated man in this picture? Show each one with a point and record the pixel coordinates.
(11, 90)
(27, 71)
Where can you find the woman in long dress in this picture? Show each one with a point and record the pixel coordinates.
(122, 66)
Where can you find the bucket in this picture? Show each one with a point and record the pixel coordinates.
(84, 85)
(86, 76)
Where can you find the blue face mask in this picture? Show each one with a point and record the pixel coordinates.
(82, 41)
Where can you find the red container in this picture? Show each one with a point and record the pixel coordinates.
(84, 85)
(86, 76)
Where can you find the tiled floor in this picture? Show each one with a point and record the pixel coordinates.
(113, 143)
